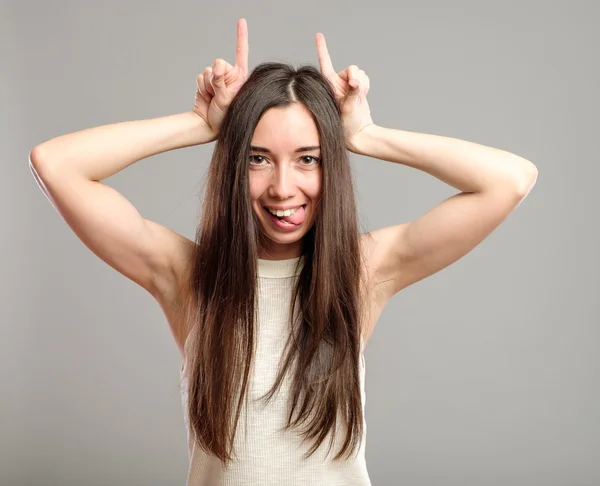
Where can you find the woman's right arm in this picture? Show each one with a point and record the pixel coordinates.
(70, 168)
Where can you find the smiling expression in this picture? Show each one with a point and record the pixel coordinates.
(284, 172)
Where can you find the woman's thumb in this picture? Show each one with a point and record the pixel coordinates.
(217, 80)
(354, 91)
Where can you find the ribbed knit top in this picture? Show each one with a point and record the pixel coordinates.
(265, 453)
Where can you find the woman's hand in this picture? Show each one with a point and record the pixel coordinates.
(219, 84)
(350, 87)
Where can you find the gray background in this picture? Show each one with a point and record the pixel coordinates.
(484, 374)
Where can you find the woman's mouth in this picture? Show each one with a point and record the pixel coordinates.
(294, 220)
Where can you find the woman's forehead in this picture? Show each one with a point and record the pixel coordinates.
(286, 129)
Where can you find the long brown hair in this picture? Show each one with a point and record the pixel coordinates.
(221, 288)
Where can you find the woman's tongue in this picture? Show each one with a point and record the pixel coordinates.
(297, 218)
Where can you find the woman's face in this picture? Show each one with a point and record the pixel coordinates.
(285, 173)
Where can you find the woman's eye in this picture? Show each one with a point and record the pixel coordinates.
(310, 158)
(306, 159)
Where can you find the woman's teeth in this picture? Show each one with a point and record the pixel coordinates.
(279, 213)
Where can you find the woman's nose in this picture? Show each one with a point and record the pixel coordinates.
(282, 184)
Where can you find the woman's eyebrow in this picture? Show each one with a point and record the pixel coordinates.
(298, 150)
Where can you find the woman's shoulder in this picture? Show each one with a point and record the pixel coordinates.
(173, 294)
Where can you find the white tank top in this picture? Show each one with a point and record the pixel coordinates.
(265, 454)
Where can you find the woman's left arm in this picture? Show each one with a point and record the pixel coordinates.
(467, 166)
(492, 183)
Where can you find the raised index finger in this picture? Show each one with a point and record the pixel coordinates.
(323, 55)
(241, 50)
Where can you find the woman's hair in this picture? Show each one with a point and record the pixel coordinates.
(221, 287)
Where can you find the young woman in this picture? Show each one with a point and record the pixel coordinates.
(274, 302)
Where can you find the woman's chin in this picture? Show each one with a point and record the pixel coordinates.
(284, 236)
